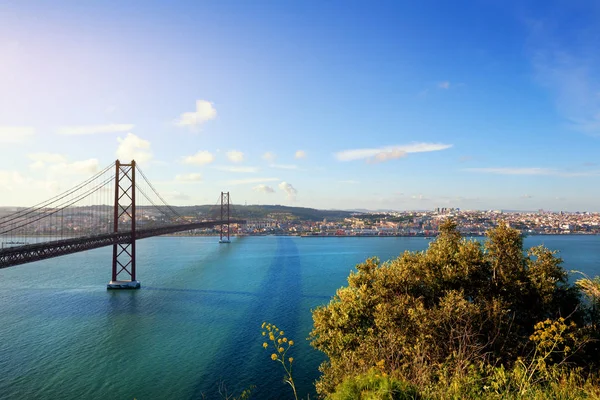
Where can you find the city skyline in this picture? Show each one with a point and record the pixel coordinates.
(337, 105)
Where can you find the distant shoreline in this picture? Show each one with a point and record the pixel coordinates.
(381, 236)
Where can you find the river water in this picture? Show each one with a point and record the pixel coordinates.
(195, 324)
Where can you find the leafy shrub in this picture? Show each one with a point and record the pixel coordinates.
(460, 313)
(373, 385)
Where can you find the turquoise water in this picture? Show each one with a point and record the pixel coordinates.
(196, 320)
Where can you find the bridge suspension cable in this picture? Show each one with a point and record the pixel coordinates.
(165, 204)
(45, 204)
(101, 211)
(78, 211)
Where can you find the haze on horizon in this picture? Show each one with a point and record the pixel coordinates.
(479, 104)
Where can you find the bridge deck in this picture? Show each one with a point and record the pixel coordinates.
(12, 256)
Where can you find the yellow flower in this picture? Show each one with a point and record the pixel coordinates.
(263, 325)
(273, 356)
(281, 332)
(279, 341)
(271, 337)
(291, 342)
(265, 345)
(280, 349)
(291, 359)
(284, 340)
(264, 333)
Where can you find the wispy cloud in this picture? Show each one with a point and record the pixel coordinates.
(84, 167)
(289, 190)
(193, 177)
(533, 171)
(387, 152)
(175, 195)
(284, 166)
(569, 70)
(513, 171)
(575, 89)
(16, 134)
(300, 154)
(386, 155)
(200, 158)
(94, 129)
(135, 148)
(47, 157)
(444, 85)
(234, 168)
(41, 159)
(250, 181)
(205, 111)
(263, 189)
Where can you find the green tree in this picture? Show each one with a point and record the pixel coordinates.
(443, 310)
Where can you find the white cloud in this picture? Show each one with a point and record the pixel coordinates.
(360, 154)
(233, 168)
(194, 177)
(57, 164)
(349, 182)
(15, 134)
(133, 148)
(268, 156)
(250, 180)
(205, 111)
(444, 85)
(51, 158)
(235, 156)
(37, 165)
(386, 156)
(85, 167)
(9, 179)
(264, 189)
(200, 158)
(93, 129)
(300, 154)
(289, 190)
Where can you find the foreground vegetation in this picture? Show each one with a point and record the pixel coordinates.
(461, 320)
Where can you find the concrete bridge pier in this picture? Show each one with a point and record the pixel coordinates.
(120, 285)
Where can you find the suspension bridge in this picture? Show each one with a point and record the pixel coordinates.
(111, 208)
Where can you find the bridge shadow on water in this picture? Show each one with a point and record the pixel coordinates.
(224, 292)
(242, 361)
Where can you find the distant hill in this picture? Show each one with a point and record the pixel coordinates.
(268, 211)
(239, 211)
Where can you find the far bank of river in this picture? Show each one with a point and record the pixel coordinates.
(468, 235)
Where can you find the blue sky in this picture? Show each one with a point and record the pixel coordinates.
(328, 104)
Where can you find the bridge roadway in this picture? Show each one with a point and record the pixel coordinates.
(12, 256)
